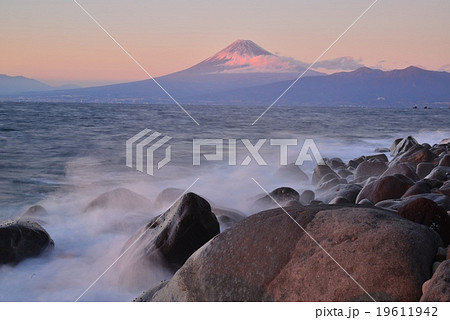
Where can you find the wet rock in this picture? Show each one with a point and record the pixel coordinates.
(171, 238)
(439, 173)
(403, 168)
(328, 184)
(438, 288)
(339, 200)
(346, 191)
(335, 163)
(378, 157)
(418, 188)
(390, 187)
(227, 217)
(384, 150)
(35, 213)
(344, 173)
(320, 171)
(428, 213)
(366, 202)
(441, 254)
(368, 169)
(445, 161)
(291, 172)
(306, 197)
(120, 199)
(423, 169)
(353, 164)
(279, 196)
(445, 141)
(403, 145)
(391, 204)
(445, 189)
(374, 246)
(415, 155)
(20, 240)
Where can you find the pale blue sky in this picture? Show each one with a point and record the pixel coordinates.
(56, 42)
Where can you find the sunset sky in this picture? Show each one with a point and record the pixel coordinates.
(56, 42)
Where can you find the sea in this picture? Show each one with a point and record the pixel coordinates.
(63, 155)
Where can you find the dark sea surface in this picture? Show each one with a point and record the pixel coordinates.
(62, 156)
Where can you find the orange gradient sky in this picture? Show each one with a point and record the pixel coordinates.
(55, 41)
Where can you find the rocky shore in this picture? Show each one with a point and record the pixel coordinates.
(373, 228)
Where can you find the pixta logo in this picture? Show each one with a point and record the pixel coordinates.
(143, 146)
(140, 151)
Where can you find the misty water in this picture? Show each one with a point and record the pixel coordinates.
(62, 156)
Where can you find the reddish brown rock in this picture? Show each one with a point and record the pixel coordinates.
(415, 155)
(445, 189)
(420, 187)
(268, 257)
(437, 289)
(369, 169)
(445, 161)
(428, 213)
(423, 169)
(390, 187)
(403, 168)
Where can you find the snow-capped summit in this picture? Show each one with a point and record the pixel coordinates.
(239, 48)
(245, 56)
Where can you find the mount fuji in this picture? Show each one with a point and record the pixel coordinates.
(245, 56)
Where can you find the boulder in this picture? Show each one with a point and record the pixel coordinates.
(268, 257)
(346, 191)
(439, 173)
(167, 197)
(438, 287)
(390, 187)
(384, 150)
(21, 239)
(227, 217)
(279, 196)
(172, 237)
(395, 204)
(291, 172)
(428, 213)
(35, 213)
(120, 199)
(326, 185)
(378, 157)
(420, 187)
(445, 161)
(403, 168)
(306, 197)
(335, 163)
(344, 173)
(445, 189)
(367, 169)
(403, 145)
(423, 169)
(320, 171)
(415, 155)
(355, 162)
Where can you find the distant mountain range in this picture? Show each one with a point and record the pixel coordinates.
(11, 85)
(246, 74)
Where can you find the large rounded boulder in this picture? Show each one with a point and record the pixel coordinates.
(389, 187)
(437, 289)
(273, 256)
(22, 239)
(169, 239)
